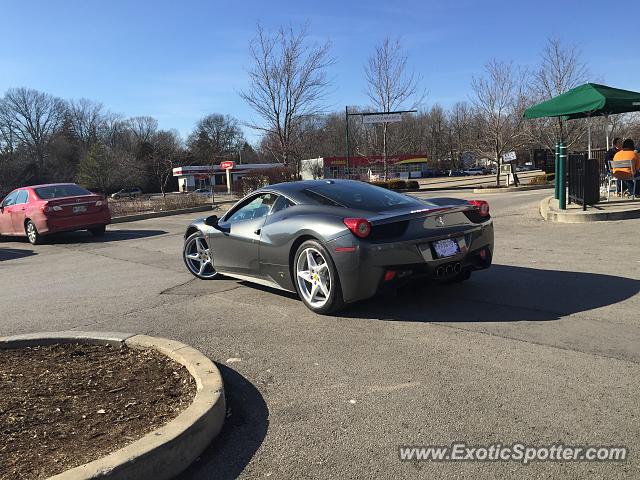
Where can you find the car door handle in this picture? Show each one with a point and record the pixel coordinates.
(257, 232)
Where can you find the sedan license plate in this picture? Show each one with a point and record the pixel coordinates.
(79, 209)
(446, 248)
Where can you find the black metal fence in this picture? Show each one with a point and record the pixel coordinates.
(583, 179)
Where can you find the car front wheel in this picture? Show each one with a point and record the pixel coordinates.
(316, 278)
(198, 257)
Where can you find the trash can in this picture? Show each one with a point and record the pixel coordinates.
(592, 182)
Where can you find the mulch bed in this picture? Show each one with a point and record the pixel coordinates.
(65, 405)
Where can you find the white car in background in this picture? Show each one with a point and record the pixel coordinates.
(205, 192)
(475, 171)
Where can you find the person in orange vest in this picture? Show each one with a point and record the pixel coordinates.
(628, 153)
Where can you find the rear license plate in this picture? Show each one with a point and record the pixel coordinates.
(79, 209)
(446, 248)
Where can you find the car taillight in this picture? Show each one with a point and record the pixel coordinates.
(46, 208)
(360, 227)
(483, 207)
(99, 203)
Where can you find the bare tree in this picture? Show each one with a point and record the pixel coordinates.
(499, 102)
(143, 128)
(86, 118)
(460, 120)
(390, 85)
(287, 82)
(560, 70)
(216, 137)
(166, 155)
(33, 118)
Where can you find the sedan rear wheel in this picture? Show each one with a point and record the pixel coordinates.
(98, 231)
(32, 233)
(198, 257)
(317, 280)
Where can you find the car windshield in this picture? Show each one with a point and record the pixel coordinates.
(59, 191)
(358, 195)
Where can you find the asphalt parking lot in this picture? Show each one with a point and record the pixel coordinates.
(542, 348)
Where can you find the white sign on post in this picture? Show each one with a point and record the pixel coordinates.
(382, 118)
(509, 157)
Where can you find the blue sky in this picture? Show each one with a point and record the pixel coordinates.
(179, 61)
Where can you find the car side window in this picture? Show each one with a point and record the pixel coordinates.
(255, 208)
(281, 204)
(10, 199)
(22, 197)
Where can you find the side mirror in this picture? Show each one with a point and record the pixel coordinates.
(212, 221)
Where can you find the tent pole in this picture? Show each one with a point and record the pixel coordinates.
(556, 172)
(589, 134)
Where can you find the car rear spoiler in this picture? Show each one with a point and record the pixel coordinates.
(410, 214)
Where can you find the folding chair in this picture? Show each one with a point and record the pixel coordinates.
(610, 179)
(622, 175)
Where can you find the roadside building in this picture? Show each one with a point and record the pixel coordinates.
(193, 177)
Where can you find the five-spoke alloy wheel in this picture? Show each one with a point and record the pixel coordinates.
(316, 278)
(198, 257)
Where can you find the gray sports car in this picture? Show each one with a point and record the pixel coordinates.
(340, 241)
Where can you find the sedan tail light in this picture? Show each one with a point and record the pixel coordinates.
(55, 208)
(483, 207)
(360, 227)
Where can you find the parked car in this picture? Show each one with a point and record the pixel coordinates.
(475, 171)
(339, 241)
(131, 192)
(40, 210)
(205, 192)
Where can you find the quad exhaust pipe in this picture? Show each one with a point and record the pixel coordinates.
(447, 270)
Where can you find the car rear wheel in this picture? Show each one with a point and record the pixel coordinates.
(316, 278)
(98, 231)
(461, 277)
(198, 257)
(32, 233)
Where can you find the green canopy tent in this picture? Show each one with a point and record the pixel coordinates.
(586, 101)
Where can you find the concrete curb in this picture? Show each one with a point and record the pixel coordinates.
(167, 213)
(589, 216)
(167, 451)
(522, 188)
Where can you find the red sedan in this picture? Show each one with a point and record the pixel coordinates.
(57, 207)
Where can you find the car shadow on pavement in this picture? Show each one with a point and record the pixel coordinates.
(503, 293)
(14, 253)
(109, 236)
(244, 431)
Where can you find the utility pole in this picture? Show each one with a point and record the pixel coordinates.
(346, 118)
(372, 117)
